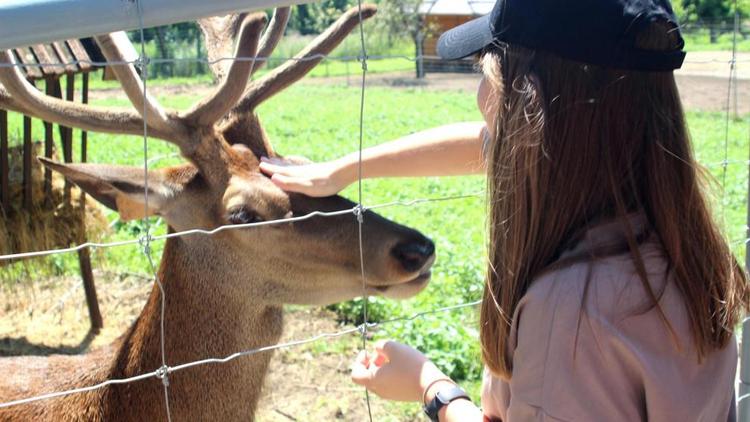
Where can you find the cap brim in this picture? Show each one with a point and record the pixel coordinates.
(466, 39)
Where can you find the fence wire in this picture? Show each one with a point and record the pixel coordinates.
(159, 372)
(261, 59)
(162, 373)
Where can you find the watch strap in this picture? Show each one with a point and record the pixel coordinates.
(443, 397)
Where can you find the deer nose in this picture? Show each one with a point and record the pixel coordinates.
(413, 255)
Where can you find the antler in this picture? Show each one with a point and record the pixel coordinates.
(219, 32)
(273, 35)
(230, 89)
(294, 69)
(7, 103)
(112, 46)
(21, 96)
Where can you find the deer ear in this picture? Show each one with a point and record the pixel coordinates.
(119, 188)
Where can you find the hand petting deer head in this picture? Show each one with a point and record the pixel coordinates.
(223, 140)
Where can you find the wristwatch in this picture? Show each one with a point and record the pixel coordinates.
(442, 398)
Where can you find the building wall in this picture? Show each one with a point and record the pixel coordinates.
(437, 25)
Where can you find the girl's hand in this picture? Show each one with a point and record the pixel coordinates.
(297, 174)
(397, 372)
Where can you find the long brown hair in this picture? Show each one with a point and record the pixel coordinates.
(576, 143)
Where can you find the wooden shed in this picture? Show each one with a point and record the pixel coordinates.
(53, 68)
(439, 16)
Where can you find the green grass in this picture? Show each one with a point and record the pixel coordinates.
(700, 40)
(321, 122)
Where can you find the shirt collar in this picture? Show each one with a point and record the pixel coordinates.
(608, 233)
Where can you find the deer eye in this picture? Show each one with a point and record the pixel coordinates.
(242, 215)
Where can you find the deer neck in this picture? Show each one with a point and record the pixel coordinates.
(206, 316)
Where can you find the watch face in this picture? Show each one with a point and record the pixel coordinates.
(443, 396)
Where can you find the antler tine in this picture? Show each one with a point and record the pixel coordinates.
(230, 90)
(219, 33)
(293, 70)
(112, 46)
(21, 96)
(272, 36)
(7, 102)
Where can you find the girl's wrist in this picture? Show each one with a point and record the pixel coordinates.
(431, 381)
(346, 170)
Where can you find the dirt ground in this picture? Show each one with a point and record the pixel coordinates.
(308, 383)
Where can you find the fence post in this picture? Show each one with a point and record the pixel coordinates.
(420, 61)
(743, 407)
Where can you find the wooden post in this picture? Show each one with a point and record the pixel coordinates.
(28, 152)
(84, 255)
(68, 139)
(87, 274)
(84, 100)
(49, 141)
(4, 192)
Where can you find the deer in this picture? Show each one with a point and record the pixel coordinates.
(223, 293)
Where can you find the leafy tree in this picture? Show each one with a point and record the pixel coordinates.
(167, 40)
(717, 14)
(401, 17)
(314, 18)
(711, 10)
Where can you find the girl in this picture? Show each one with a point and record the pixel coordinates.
(611, 294)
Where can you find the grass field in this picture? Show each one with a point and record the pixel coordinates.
(299, 124)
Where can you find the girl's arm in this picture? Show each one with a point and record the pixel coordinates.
(448, 150)
(399, 372)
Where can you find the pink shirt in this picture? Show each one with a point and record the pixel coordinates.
(624, 365)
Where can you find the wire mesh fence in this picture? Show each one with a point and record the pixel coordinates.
(353, 61)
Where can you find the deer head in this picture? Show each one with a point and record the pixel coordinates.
(312, 261)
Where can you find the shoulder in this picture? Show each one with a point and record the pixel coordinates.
(607, 289)
(594, 325)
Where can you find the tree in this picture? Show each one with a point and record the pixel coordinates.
(715, 13)
(314, 18)
(399, 17)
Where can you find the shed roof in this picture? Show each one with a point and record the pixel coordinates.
(456, 7)
(54, 59)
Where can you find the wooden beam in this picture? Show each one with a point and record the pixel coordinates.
(46, 63)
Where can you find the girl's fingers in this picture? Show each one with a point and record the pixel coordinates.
(272, 160)
(268, 168)
(298, 159)
(388, 348)
(287, 183)
(361, 373)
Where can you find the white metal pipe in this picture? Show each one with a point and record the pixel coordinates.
(29, 22)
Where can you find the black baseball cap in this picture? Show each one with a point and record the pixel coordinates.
(601, 32)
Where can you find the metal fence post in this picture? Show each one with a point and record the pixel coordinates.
(420, 61)
(743, 406)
